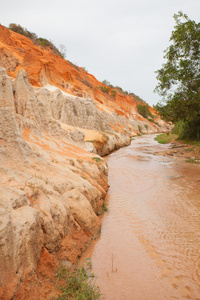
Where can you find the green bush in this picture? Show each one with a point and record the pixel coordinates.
(144, 111)
(19, 29)
(33, 37)
(106, 82)
(46, 43)
(75, 283)
(114, 93)
(178, 128)
(189, 129)
(97, 159)
(104, 89)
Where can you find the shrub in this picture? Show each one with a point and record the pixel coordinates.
(114, 93)
(46, 43)
(75, 283)
(144, 111)
(19, 29)
(106, 82)
(104, 89)
(104, 207)
(97, 159)
(38, 41)
(189, 129)
(152, 120)
(139, 128)
(193, 161)
(178, 128)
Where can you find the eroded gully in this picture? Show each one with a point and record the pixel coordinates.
(149, 247)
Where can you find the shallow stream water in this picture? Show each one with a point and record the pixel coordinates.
(149, 247)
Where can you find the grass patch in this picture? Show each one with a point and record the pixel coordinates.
(76, 283)
(104, 207)
(193, 161)
(132, 139)
(190, 142)
(90, 141)
(98, 159)
(165, 138)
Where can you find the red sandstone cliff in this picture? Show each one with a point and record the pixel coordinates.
(43, 67)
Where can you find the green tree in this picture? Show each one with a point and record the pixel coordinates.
(179, 77)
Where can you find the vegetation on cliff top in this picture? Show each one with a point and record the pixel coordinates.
(38, 41)
(179, 78)
(114, 90)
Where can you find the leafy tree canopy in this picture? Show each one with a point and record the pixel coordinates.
(179, 78)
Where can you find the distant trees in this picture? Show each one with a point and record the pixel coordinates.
(179, 78)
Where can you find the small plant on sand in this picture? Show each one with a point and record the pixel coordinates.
(104, 207)
(76, 283)
(193, 161)
(90, 141)
(139, 129)
(114, 93)
(98, 159)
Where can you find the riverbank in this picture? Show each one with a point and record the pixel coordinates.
(188, 151)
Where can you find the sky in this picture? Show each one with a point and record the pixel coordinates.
(119, 41)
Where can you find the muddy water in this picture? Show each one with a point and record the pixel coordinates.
(149, 247)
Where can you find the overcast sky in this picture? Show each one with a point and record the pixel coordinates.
(121, 41)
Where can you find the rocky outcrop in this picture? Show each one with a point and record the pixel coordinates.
(6, 90)
(48, 184)
(11, 138)
(21, 238)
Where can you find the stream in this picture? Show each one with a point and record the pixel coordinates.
(149, 247)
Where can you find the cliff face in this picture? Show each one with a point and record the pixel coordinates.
(51, 188)
(53, 181)
(45, 68)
